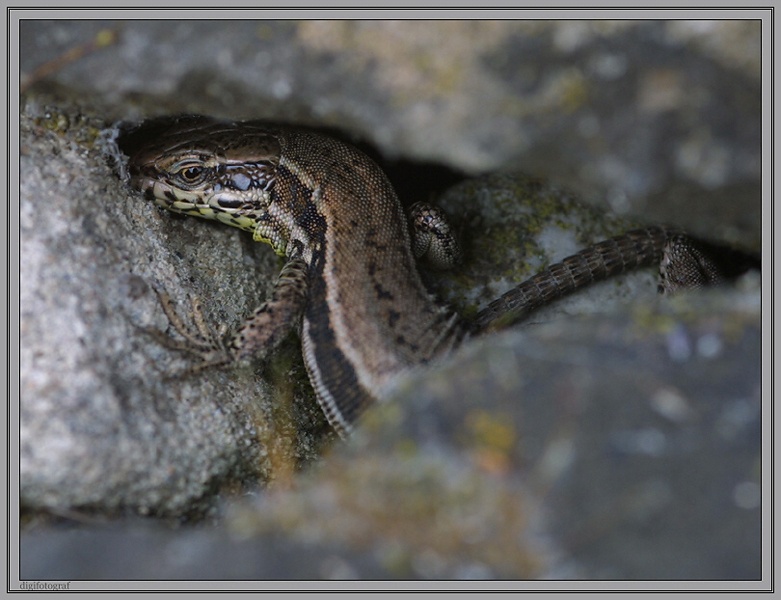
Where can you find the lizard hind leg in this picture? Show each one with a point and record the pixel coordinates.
(690, 263)
(432, 238)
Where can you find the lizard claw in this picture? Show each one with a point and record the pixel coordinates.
(203, 343)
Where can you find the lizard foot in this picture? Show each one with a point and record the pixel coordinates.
(201, 342)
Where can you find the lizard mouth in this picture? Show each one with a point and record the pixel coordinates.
(223, 207)
(166, 195)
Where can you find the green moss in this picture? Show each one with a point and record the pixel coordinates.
(574, 92)
(506, 216)
(75, 126)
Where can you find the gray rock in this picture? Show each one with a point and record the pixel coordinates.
(638, 435)
(611, 447)
(142, 551)
(102, 425)
(549, 452)
(655, 118)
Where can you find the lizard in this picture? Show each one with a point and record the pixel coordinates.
(350, 283)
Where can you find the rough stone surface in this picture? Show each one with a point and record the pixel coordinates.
(658, 118)
(103, 423)
(622, 445)
(638, 437)
(606, 450)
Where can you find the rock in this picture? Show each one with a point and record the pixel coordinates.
(606, 448)
(575, 462)
(637, 436)
(658, 119)
(140, 550)
(101, 426)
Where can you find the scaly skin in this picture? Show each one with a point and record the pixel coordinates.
(350, 280)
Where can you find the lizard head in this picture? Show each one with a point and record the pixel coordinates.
(204, 167)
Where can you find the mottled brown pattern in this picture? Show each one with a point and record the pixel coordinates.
(351, 280)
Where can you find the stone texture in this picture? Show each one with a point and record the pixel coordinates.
(656, 118)
(102, 424)
(605, 450)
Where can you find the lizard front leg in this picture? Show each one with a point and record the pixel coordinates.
(258, 336)
(273, 320)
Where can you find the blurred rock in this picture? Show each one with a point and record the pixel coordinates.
(143, 551)
(660, 119)
(637, 435)
(608, 449)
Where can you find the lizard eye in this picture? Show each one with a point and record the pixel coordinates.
(190, 172)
